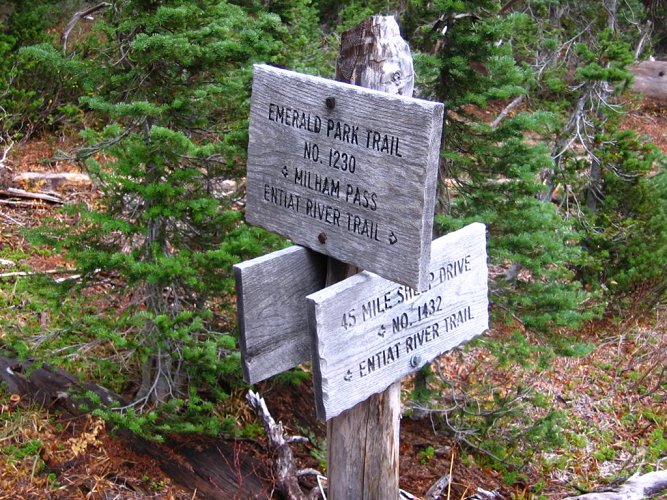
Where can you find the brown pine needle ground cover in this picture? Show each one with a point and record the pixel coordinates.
(602, 414)
(610, 403)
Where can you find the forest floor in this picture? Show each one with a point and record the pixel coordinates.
(603, 415)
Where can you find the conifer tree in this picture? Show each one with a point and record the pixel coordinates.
(170, 81)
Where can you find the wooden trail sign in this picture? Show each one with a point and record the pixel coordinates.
(343, 170)
(271, 305)
(372, 332)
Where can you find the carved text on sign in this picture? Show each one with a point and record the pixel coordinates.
(346, 171)
(369, 332)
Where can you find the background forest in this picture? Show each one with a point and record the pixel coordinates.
(151, 99)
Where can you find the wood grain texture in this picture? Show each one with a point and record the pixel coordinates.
(374, 56)
(271, 303)
(650, 79)
(363, 443)
(363, 448)
(372, 332)
(354, 180)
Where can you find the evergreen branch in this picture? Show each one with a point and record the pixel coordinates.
(86, 152)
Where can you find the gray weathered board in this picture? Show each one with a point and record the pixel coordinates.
(354, 179)
(371, 332)
(271, 302)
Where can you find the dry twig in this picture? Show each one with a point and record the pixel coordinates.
(20, 193)
(285, 468)
(77, 17)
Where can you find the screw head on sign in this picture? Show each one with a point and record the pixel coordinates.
(415, 360)
(322, 237)
(330, 102)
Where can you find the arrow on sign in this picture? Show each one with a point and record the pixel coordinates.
(382, 331)
(285, 171)
(392, 238)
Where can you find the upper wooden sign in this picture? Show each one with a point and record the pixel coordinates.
(347, 171)
(368, 332)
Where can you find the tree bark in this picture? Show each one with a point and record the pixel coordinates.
(363, 442)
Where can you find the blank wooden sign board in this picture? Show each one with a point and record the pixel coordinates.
(273, 322)
(371, 332)
(343, 170)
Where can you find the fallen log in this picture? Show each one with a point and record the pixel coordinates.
(650, 79)
(216, 470)
(51, 181)
(12, 203)
(635, 488)
(49, 386)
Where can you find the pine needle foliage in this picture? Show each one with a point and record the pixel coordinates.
(170, 82)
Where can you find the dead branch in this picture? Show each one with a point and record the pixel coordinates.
(12, 220)
(5, 153)
(12, 203)
(515, 102)
(284, 466)
(46, 385)
(438, 487)
(635, 488)
(20, 274)
(76, 18)
(20, 193)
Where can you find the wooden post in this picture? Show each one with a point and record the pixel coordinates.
(363, 442)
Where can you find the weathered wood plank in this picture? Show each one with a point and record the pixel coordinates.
(650, 79)
(271, 303)
(347, 171)
(372, 332)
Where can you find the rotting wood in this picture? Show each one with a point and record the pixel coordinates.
(47, 386)
(650, 79)
(221, 470)
(363, 442)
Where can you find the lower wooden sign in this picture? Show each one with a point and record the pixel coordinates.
(273, 323)
(369, 332)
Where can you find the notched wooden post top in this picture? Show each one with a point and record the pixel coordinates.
(373, 55)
